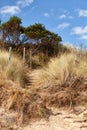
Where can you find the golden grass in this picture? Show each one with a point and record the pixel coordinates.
(59, 69)
(25, 103)
(13, 70)
(63, 81)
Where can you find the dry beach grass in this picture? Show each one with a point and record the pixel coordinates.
(61, 84)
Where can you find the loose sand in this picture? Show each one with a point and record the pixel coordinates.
(60, 120)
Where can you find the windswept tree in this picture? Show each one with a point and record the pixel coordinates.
(45, 39)
(13, 31)
(39, 34)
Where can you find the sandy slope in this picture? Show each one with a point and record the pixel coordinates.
(60, 120)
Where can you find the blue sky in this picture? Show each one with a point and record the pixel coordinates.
(68, 18)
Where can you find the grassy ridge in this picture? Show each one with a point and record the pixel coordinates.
(63, 81)
(60, 69)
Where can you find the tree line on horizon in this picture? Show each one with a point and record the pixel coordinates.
(35, 37)
(13, 32)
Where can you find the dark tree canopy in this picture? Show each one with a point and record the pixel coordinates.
(40, 34)
(35, 32)
(15, 33)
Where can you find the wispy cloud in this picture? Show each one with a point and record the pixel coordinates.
(62, 16)
(79, 30)
(65, 14)
(84, 37)
(34, 7)
(11, 10)
(24, 3)
(63, 25)
(49, 14)
(71, 17)
(82, 13)
(15, 9)
(46, 14)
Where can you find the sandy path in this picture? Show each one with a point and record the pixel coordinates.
(61, 121)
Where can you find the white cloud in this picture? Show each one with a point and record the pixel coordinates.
(84, 37)
(24, 3)
(62, 16)
(49, 14)
(15, 9)
(82, 13)
(63, 25)
(65, 15)
(9, 10)
(79, 30)
(46, 14)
